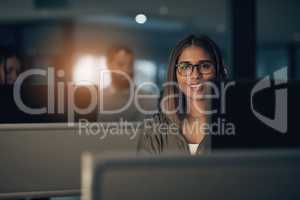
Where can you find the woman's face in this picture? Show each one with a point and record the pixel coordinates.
(192, 82)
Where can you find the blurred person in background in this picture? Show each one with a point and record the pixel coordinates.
(2, 72)
(120, 61)
(13, 67)
(9, 66)
(119, 96)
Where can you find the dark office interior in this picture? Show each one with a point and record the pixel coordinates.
(56, 143)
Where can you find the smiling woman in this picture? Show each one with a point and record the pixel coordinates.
(195, 70)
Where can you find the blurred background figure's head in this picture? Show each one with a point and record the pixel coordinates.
(12, 67)
(9, 66)
(2, 72)
(120, 61)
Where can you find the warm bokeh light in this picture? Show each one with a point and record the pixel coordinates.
(87, 71)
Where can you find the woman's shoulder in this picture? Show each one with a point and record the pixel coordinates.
(158, 118)
(159, 124)
(155, 133)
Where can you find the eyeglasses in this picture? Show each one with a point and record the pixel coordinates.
(206, 67)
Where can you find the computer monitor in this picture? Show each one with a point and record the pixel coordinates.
(236, 175)
(252, 131)
(43, 160)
